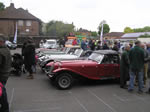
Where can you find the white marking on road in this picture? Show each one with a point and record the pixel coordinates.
(140, 98)
(38, 110)
(118, 97)
(12, 97)
(111, 108)
(78, 101)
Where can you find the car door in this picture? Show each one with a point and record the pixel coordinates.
(106, 67)
(116, 66)
(90, 70)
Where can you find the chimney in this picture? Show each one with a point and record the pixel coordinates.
(27, 10)
(12, 5)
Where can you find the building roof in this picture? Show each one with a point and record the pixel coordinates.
(12, 13)
(114, 34)
(83, 30)
(134, 35)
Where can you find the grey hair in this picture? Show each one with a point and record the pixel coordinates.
(126, 45)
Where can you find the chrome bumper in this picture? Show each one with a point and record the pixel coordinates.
(49, 73)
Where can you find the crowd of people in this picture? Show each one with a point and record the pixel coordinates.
(134, 66)
(93, 44)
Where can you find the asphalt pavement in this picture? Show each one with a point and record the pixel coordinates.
(39, 95)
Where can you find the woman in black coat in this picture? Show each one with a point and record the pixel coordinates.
(29, 57)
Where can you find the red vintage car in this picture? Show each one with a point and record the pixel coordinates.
(102, 64)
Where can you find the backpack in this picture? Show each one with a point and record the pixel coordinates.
(1, 89)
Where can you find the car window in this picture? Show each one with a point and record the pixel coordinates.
(96, 57)
(110, 59)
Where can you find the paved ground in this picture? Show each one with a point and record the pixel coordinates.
(39, 95)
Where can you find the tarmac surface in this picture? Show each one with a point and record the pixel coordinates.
(39, 95)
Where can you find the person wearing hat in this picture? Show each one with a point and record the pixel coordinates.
(5, 67)
(29, 57)
(136, 58)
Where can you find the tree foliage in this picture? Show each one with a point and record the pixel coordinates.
(2, 6)
(106, 28)
(145, 36)
(128, 30)
(94, 33)
(58, 28)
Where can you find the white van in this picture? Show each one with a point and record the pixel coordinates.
(50, 44)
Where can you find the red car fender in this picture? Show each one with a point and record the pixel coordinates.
(67, 69)
(70, 70)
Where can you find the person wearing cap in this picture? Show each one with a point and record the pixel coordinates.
(136, 58)
(29, 57)
(5, 67)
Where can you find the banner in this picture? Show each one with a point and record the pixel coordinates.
(101, 36)
(15, 36)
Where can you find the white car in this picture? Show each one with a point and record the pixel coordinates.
(10, 45)
(50, 44)
(48, 58)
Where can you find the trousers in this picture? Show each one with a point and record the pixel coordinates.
(4, 105)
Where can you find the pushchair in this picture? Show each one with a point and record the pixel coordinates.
(17, 64)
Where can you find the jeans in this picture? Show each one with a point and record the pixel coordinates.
(4, 106)
(132, 78)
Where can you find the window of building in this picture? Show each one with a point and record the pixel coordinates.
(28, 23)
(20, 22)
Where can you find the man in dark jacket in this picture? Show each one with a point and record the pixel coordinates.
(84, 45)
(115, 47)
(29, 57)
(136, 57)
(124, 67)
(5, 67)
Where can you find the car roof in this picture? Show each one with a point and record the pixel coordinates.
(105, 52)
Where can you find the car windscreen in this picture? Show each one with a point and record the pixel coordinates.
(50, 42)
(96, 57)
(78, 52)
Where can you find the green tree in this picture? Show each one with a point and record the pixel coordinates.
(106, 28)
(58, 28)
(94, 33)
(128, 30)
(2, 6)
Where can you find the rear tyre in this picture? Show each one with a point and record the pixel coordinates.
(64, 81)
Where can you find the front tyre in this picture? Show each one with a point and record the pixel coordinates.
(64, 81)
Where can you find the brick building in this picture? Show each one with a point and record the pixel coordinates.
(27, 24)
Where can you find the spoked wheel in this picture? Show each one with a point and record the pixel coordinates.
(64, 81)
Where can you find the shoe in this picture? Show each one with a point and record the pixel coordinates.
(130, 90)
(124, 87)
(148, 92)
(140, 92)
(30, 77)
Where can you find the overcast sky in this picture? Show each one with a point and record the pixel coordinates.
(89, 13)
